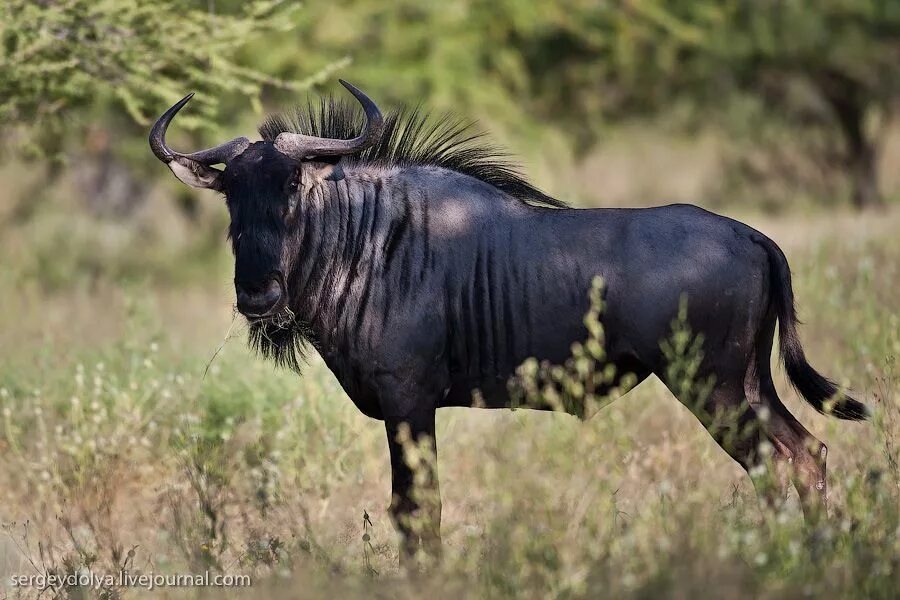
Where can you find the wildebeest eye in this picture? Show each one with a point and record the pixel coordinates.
(294, 182)
(292, 187)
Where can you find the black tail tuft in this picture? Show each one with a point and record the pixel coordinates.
(818, 390)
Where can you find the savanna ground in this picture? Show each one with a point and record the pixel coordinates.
(138, 432)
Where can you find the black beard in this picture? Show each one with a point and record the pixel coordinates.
(282, 339)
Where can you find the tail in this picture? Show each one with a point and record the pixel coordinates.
(819, 391)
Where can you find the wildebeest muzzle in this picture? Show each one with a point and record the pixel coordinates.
(261, 299)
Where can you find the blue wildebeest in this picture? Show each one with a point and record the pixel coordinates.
(422, 268)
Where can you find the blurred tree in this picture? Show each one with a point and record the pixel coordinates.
(833, 62)
(828, 63)
(809, 81)
(823, 75)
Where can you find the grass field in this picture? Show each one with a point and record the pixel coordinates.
(138, 432)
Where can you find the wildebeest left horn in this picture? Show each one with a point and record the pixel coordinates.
(299, 146)
(196, 168)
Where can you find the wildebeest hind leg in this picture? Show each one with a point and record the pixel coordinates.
(807, 454)
(733, 423)
(798, 455)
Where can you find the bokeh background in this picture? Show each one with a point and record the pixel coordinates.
(138, 431)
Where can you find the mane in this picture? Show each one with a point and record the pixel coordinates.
(412, 138)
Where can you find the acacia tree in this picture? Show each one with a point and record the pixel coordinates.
(81, 81)
(61, 60)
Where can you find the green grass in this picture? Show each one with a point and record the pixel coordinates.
(123, 429)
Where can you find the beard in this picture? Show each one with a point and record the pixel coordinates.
(282, 339)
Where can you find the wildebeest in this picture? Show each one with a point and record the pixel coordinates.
(423, 268)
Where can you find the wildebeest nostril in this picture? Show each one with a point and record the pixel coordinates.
(259, 300)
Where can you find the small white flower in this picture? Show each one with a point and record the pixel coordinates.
(757, 471)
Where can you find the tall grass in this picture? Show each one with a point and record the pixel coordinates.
(140, 447)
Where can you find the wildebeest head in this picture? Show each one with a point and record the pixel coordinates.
(261, 182)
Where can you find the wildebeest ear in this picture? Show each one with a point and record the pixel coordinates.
(195, 174)
(336, 173)
(322, 169)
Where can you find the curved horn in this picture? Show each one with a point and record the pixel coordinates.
(196, 168)
(299, 146)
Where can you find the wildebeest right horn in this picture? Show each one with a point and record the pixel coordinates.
(196, 168)
(299, 146)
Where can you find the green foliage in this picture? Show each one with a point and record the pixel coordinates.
(831, 65)
(810, 83)
(801, 90)
(584, 383)
(62, 59)
(622, 58)
(683, 352)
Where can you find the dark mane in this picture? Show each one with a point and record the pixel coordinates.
(412, 138)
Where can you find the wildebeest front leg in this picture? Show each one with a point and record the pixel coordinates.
(415, 493)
